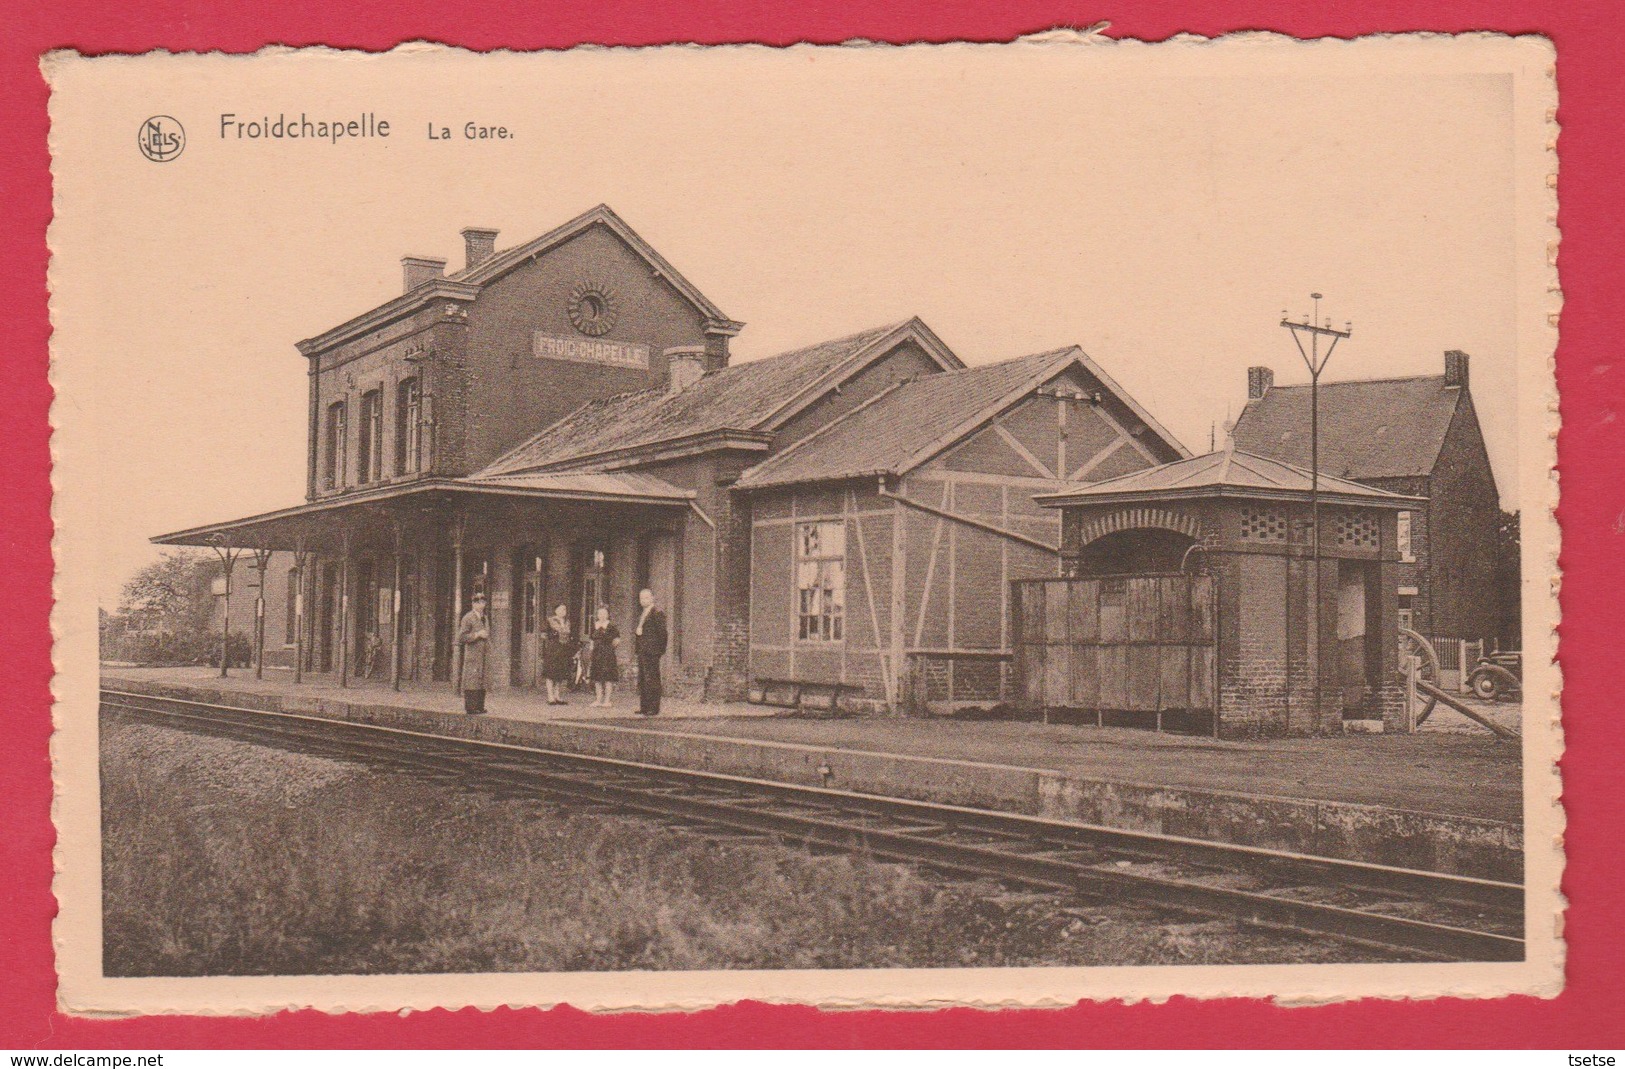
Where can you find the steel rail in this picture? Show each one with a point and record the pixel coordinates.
(1092, 860)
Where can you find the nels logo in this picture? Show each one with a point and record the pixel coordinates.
(161, 139)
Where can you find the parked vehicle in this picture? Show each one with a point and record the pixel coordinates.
(1498, 676)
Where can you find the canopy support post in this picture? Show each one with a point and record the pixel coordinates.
(262, 563)
(395, 614)
(301, 565)
(344, 608)
(228, 559)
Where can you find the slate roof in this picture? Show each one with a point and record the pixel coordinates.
(465, 283)
(1376, 429)
(502, 260)
(589, 486)
(741, 398)
(1225, 473)
(886, 435)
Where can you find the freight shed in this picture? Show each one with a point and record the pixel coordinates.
(883, 546)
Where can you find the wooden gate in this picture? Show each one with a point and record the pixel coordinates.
(1119, 649)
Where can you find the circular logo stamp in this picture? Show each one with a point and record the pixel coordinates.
(161, 138)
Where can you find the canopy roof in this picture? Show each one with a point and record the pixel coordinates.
(1225, 473)
(284, 528)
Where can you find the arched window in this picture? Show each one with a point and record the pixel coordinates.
(408, 427)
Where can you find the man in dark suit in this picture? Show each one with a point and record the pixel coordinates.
(649, 643)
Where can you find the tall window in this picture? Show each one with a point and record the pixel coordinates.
(1406, 553)
(820, 581)
(337, 444)
(290, 624)
(370, 463)
(408, 427)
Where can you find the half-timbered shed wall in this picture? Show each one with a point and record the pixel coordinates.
(934, 484)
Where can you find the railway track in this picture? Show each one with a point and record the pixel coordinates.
(1413, 913)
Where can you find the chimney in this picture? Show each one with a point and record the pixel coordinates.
(1455, 368)
(717, 333)
(1259, 381)
(479, 244)
(685, 365)
(416, 270)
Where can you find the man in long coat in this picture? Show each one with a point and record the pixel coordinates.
(649, 643)
(474, 636)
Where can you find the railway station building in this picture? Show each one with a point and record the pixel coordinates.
(560, 422)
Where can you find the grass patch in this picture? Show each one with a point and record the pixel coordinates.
(224, 858)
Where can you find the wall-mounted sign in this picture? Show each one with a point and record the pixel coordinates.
(590, 350)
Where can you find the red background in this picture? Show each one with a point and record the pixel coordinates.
(1591, 1012)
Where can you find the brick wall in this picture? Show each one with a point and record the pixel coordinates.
(485, 386)
(513, 393)
(729, 675)
(1464, 516)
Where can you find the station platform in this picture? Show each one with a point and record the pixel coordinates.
(1442, 800)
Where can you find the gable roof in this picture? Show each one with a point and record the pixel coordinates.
(1226, 473)
(500, 263)
(465, 284)
(750, 398)
(1373, 429)
(905, 426)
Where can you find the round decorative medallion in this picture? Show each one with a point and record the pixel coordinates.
(593, 309)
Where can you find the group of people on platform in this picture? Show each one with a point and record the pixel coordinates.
(566, 661)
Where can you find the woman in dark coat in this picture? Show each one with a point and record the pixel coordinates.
(606, 667)
(558, 655)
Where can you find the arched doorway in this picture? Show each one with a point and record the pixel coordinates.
(1136, 551)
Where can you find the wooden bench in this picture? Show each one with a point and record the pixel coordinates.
(761, 690)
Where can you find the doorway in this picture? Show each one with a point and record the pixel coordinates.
(1136, 551)
(527, 615)
(327, 617)
(589, 580)
(1359, 626)
(657, 571)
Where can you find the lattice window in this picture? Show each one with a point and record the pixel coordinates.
(1358, 530)
(1260, 523)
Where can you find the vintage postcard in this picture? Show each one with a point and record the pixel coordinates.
(994, 524)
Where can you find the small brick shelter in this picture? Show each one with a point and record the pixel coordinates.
(1245, 522)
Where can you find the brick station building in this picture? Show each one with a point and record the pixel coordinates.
(560, 422)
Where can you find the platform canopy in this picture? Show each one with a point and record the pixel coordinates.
(1225, 473)
(285, 529)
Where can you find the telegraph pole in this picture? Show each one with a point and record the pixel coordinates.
(1311, 328)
